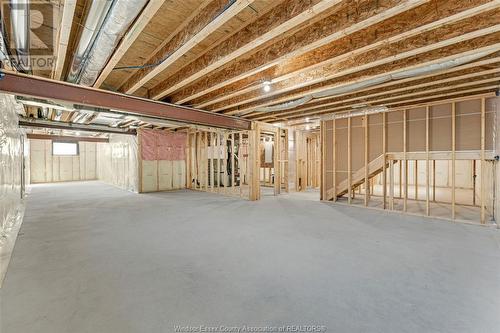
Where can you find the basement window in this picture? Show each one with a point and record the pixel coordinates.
(64, 148)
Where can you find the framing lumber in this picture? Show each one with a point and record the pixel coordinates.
(277, 21)
(366, 157)
(405, 159)
(483, 169)
(430, 82)
(427, 171)
(31, 86)
(453, 158)
(415, 179)
(391, 185)
(334, 152)
(384, 152)
(366, 67)
(346, 20)
(140, 23)
(323, 160)
(487, 90)
(352, 41)
(199, 28)
(349, 160)
(63, 37)
(232, 161)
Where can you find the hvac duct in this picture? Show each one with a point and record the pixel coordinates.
(107, 22)
(20, 25)
(96, 15)
(422, 70)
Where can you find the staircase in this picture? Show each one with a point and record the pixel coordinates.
(375, 167)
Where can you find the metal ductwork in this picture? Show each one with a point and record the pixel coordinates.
(95, 18)
(20, 25)
(353, 87)
(105, 25)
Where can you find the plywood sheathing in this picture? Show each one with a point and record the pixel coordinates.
(393, 57)
(351, 29)
(273, 24)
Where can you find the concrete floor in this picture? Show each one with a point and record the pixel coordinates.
(93, 258)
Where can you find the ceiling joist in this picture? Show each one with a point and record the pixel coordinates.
(405, 27)
(284, 17)
(199, 28)
(366, 67)
(142, 21)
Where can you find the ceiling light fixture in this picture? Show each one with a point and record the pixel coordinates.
(267, 86)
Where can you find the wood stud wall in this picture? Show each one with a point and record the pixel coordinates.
(416, 128)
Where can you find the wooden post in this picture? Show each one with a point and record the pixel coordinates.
(391, 185)
(349, 185)
(240, 161)
(139, 158)
(405, 196)
(400, 193)
(232, 162)
(367, 185)
(334, 181)
(434, 180)
(205, 161)
(483, 144)
(286, 146)
(218, 145)
(323, 160)
(427, 171)
(453, 147)
(415, 179)
(212, 171)
(473, 182)
(384, 152)
(189, 159)
(276, 161)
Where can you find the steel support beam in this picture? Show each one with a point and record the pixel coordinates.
(65, 138)
(32, 86)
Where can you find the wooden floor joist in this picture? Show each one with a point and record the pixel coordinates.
(346, 21)
(348, 45)
(279, 20)
(394, 87)
(321, 80)
(211, 18)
